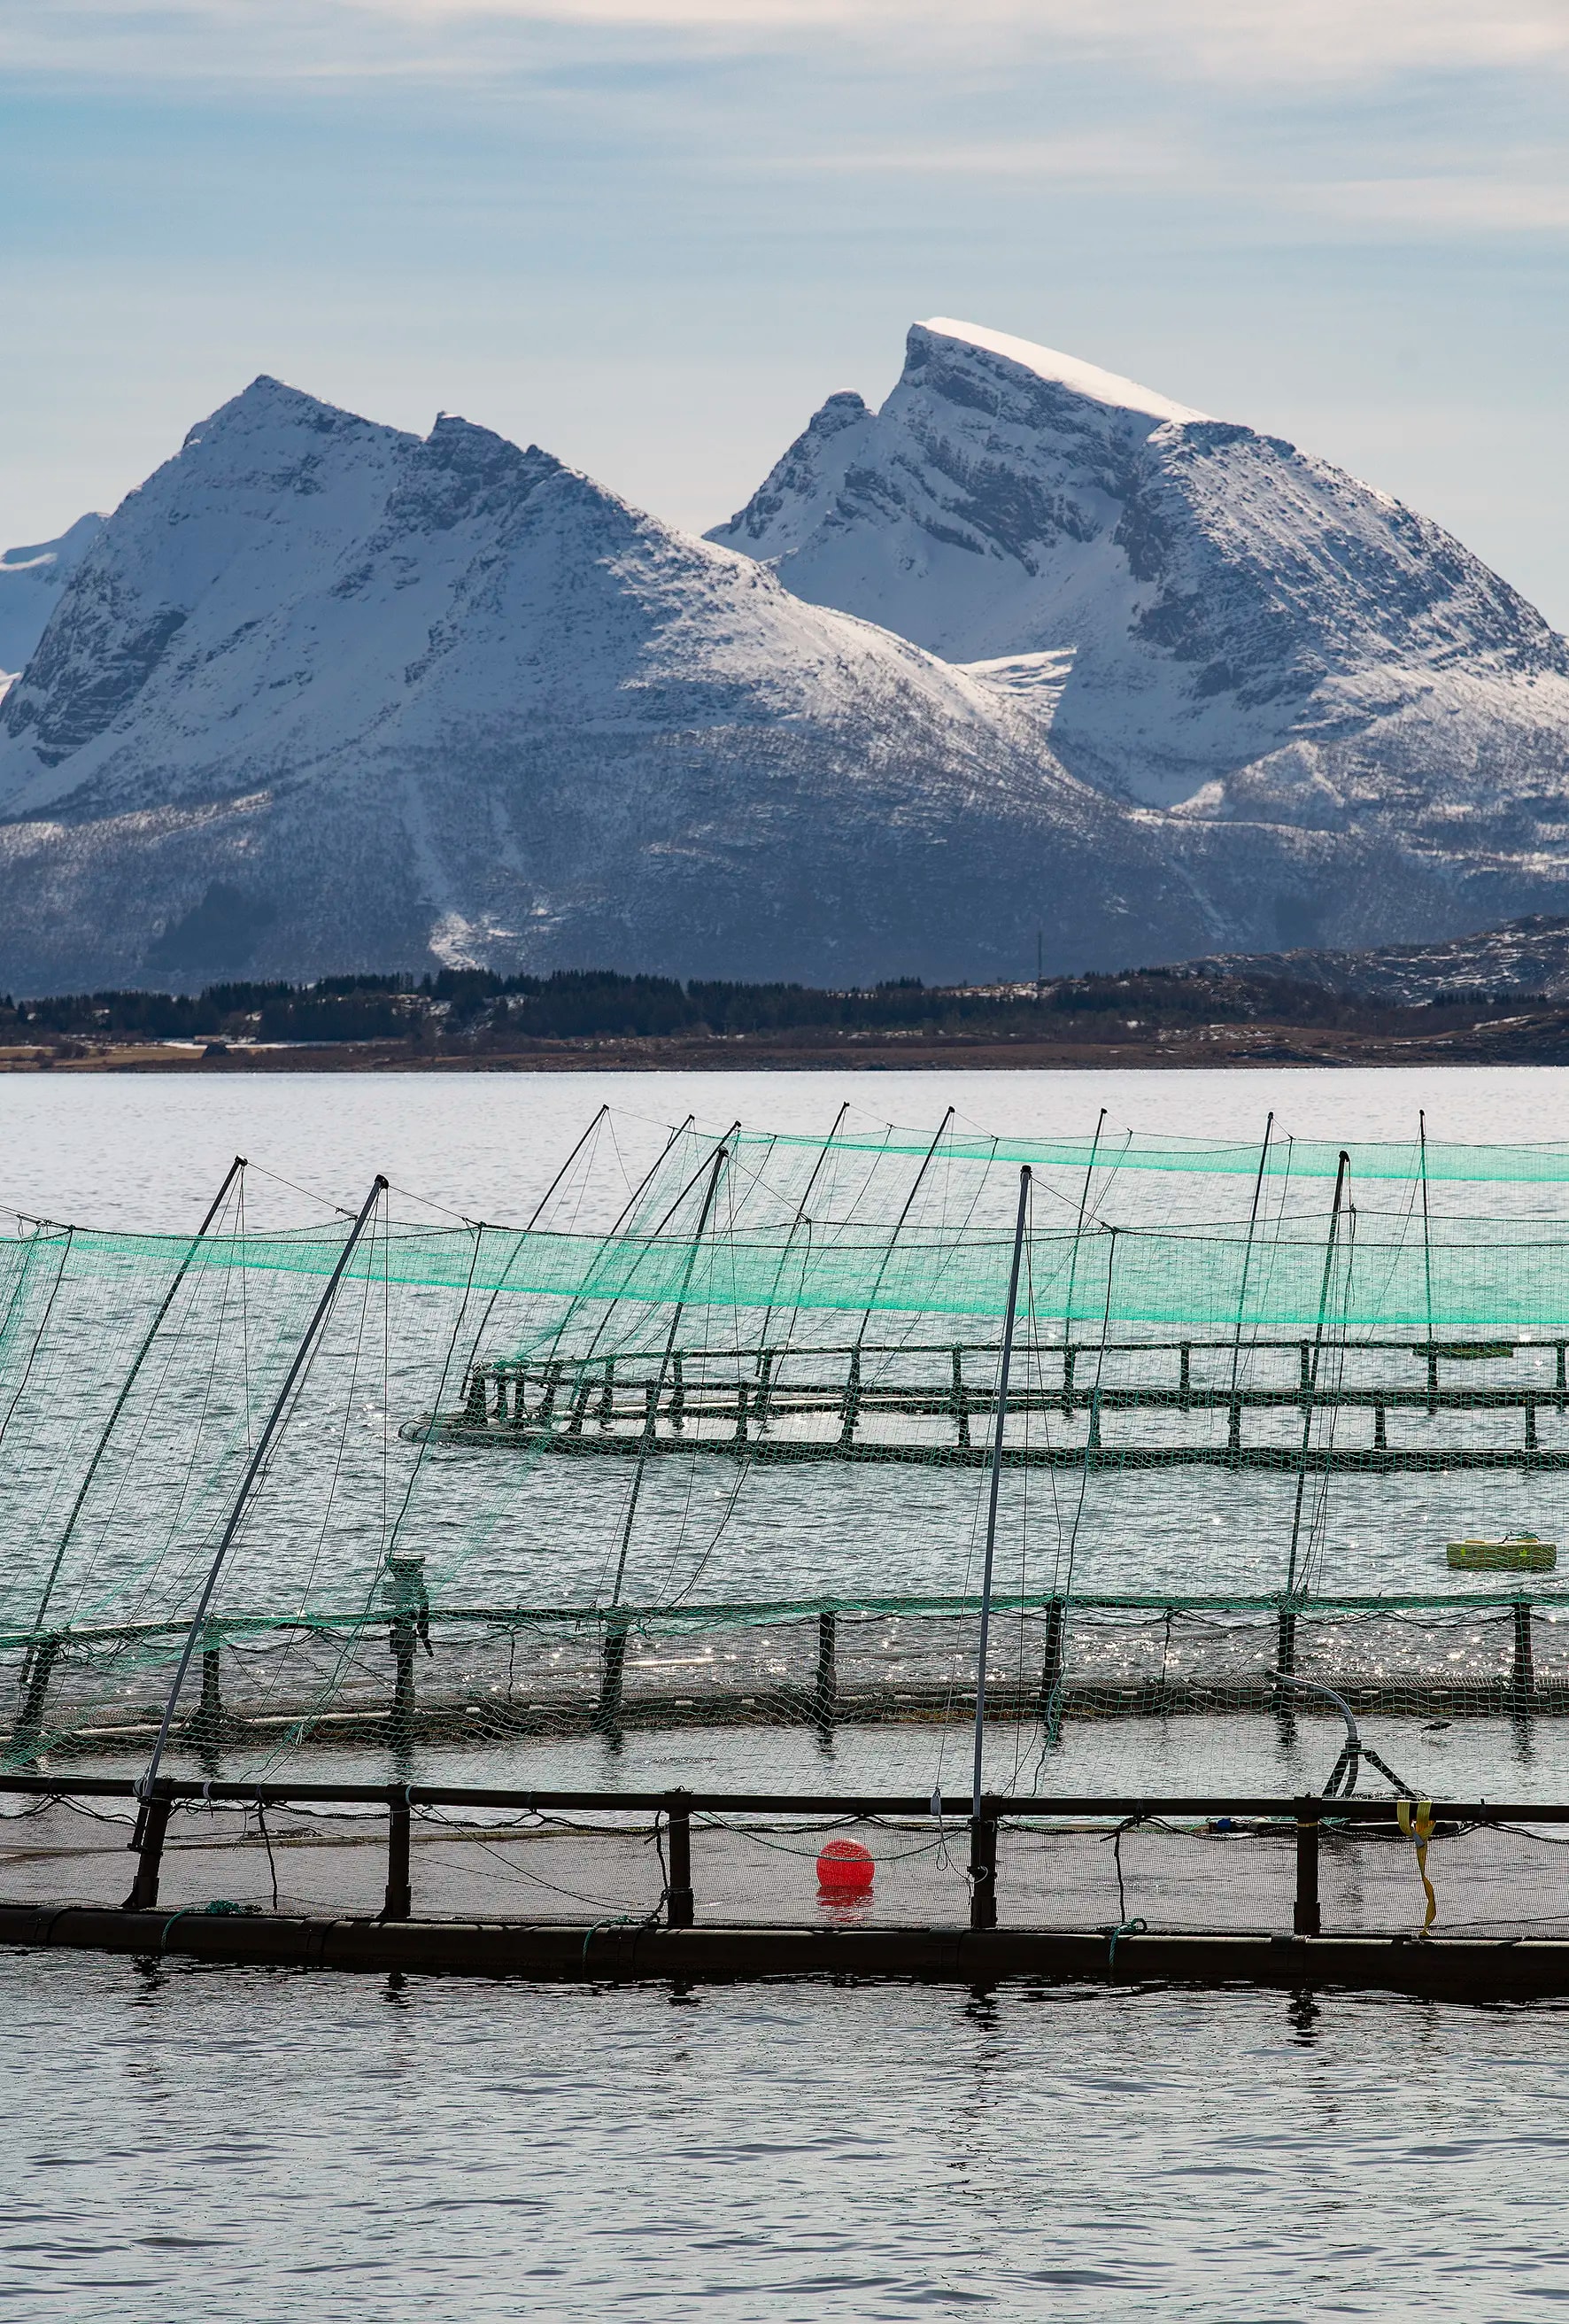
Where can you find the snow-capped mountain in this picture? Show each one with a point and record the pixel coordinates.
(31, 583)
(1218, 623)
(325, 695)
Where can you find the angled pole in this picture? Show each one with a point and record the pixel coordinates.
(1248, 1254)
(264, 1443)
(1427, 1232)
(899, 1222)
(1077, 1233)
(985, 1619)
(796, 1223)
(235, 1168)
(720, 1160)
(1340, 1177)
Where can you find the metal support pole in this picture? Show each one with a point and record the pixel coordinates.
(850, 1410)
(1306, 1919)
(400, 1902)
(1185, 1382)
(960, 1400)
(1286, 1647)
(1003, 1370)
(254, 1471)
(1051, 1661)
(612, 1671)
(826, 1692)
(129, 1382)
(151, 1824)
(29, 1723)
(1380, 1430)
(682, 1904)
(401, 1640)
(983, 1870)
(1523, 1679)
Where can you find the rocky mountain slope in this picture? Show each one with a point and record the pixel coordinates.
(31, 582)
(1528, 957)
(1218, 623)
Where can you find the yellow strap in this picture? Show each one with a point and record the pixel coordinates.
(1419, 1827)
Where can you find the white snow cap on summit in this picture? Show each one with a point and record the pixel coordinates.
(1084, 378)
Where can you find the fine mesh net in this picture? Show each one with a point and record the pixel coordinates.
(686, 1481)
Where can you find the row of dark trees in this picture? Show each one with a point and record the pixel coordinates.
(472, 1008)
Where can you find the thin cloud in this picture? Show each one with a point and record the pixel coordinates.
(1447, 205)
(1266, 41)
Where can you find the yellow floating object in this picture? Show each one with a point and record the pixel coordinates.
(1517, 1553)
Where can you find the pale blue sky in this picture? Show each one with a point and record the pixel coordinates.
(652, 235)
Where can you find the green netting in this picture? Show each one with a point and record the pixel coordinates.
(687, 1476)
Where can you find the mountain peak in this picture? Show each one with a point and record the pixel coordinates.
(1085, 379)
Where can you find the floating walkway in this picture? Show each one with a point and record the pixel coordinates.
(749, 1405)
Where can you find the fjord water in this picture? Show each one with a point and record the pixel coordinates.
(188, 2142)
(134, 1151)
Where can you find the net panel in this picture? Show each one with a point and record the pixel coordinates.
(687, 1480)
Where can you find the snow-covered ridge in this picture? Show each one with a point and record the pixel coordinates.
(1086, 379)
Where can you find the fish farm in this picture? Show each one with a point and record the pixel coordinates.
(936, 1483)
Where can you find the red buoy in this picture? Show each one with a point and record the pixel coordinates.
(845, 1868)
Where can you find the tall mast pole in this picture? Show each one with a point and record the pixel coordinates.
(1340, 1175)
(1427, 1233)
(236, 1167)
(1248, 1254)
(720, 1160)
(899, 1225)
(302, 1356)
(986, 1616)
(795, 1223)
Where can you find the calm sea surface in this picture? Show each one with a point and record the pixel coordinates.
(186, 2143)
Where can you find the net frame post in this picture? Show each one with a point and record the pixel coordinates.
(983, 1868)
(1052, 1657)
(29, 1720)
(399, 1903)
(1523, 1674)
(147, 1840)
(613, 1674)
(825, 1684)
(681, 1906)
(1307, 1915)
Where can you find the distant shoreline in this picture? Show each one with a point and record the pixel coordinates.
(1538, 1039)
